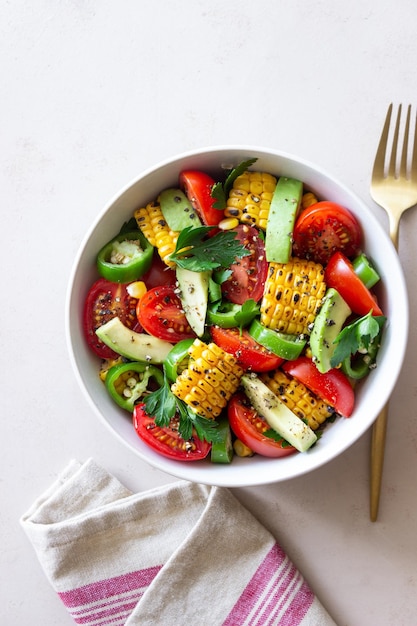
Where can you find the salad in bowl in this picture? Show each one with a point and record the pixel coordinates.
(234, 314)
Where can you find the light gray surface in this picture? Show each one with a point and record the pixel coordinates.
(92, 94)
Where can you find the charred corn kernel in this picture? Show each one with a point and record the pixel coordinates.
(228, 223)
(298, 398)
(151, 222)
(308, 199)
(211, 378)
(136, 289)
(107, 364)
(250, 198)
(242, 449)
(292, 296)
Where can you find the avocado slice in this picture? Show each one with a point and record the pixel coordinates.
(327, 325)
(277, 414)
(193, 293)
(132, 345)
(178, 210)
(283, 212)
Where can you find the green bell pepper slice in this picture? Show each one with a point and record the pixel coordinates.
(288, 347)
(125, 258)
(223, 315)
(222, 448)
(177, 359)
(230, 315)
(365, 270)
(359, 365)
(129, 382)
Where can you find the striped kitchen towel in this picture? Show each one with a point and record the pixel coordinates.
(179, 554)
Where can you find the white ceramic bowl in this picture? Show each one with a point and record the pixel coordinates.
(371, 394)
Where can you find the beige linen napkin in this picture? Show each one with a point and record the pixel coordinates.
(179, 554)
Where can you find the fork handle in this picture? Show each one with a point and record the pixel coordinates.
(394, 227)
(379, 430)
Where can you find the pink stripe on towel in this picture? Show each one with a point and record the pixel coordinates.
(276, 594)
(108, 601)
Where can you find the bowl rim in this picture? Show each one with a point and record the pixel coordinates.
(197, 472)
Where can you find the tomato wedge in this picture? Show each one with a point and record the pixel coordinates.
(197, 187)
(249, 273)
(104, 301)
(160, 313)
(340, 275)
(167, 441)
(249, 427)
(158, 274)
(333, 387)
(249, 354)
(323, 228)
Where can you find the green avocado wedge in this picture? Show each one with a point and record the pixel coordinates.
(327, 325)
(133, 345)
(193, 293)
(277, 414)
(177, 210)
(283, 212)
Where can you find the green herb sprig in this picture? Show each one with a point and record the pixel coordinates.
(196, 252)
(357, 336)
(220, 191)
(163, 406)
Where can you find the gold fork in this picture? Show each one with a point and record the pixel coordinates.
(394, 188)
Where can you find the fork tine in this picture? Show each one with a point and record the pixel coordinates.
(404, 154)
(379, 163)
(393, 160)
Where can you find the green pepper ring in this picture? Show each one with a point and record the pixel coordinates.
(225, 318)
(360, 366)
(116, 371)
(176, 358)
(125, 272)
(286, 346)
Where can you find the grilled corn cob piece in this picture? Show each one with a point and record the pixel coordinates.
(300, 400)
(210, 379)
(292, 296)
(152, 223)
(308, 199)
(250, 198)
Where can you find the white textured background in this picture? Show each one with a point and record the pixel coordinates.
(93, 92)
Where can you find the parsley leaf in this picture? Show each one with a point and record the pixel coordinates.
(127, 227)
(220, 191)
(197, 253)
(357, 336)
(205, 428)
(250, 309)
(220, 276)
(163, 406)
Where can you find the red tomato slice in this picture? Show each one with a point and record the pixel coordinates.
(333, 387)
(160, 313)
(250, 272)
(249, 427)
(323, 228)
(340, 275)
(249, 353)
(158, 274)
(167, 441)
(104, 301)
(197, 187)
